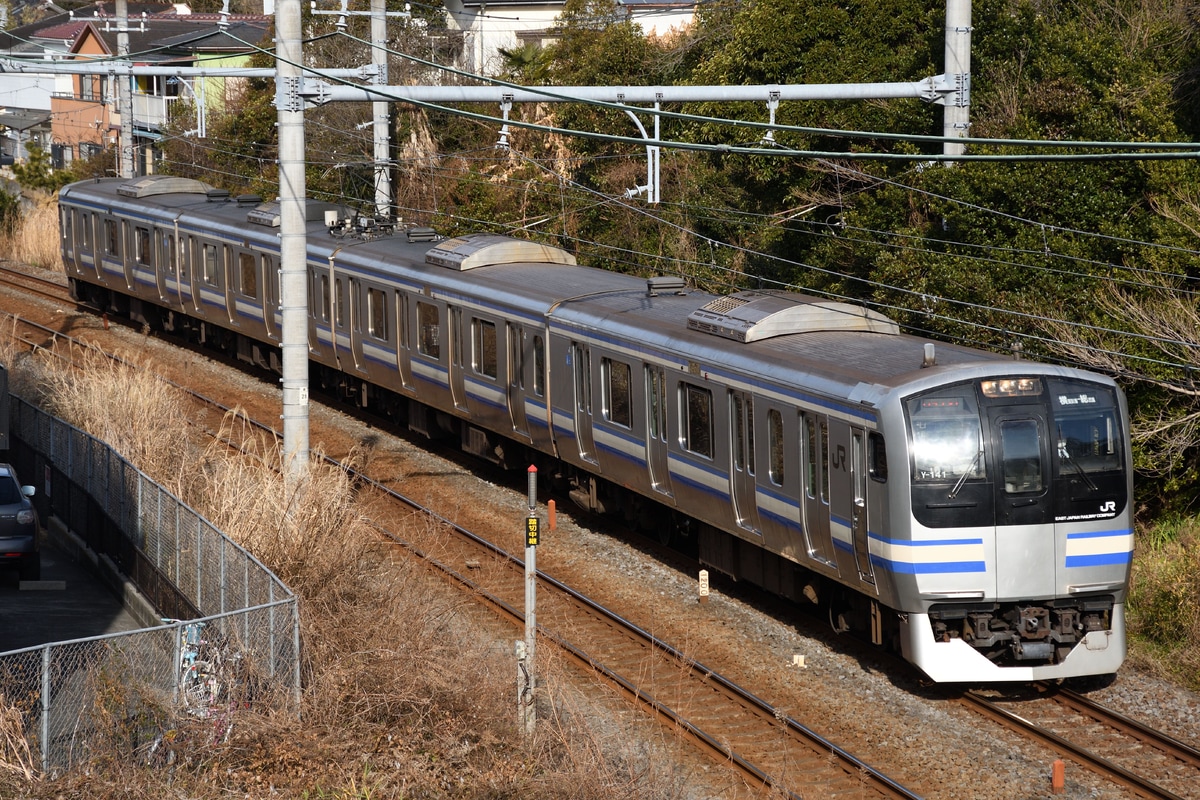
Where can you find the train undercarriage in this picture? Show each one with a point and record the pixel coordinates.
(1012, 633)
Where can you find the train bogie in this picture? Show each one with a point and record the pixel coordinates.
(972, 511)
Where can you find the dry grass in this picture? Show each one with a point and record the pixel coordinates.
(35, 241)
(1164, 601)
(115, 402)
(408, 691)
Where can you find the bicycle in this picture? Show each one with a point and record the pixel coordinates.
(199, 684)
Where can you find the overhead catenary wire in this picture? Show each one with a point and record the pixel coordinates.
(492, 119)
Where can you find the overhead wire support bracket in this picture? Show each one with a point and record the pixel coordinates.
(653, 153)
(772, 106)
(506, 102)
(344, 11)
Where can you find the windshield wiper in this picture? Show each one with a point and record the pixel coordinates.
(1065, 456)
(966, 473)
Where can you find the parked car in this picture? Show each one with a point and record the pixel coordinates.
(18, 526)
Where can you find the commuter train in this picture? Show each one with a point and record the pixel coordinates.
(969, 509)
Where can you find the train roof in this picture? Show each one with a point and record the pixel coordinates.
(775, 336)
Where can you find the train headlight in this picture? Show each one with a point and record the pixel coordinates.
(1012, 387)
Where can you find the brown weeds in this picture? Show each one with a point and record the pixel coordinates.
(408, 689)
(35, 241)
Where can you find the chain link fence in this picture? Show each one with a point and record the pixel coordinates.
(230, 638)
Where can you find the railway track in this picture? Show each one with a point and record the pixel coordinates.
(31, 284)
(764, 744)
(1127, 752)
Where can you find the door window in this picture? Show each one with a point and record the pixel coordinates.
(1021, 459)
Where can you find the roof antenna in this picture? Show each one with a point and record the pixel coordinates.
(930, 356)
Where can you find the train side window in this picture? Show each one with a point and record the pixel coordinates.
(775, 442)
(696, 420)
(166, 252)
(429, 327)
(812, 452)
(876, 457)
(483, 347)
(270, 269)
(583, 379)
(321, 300)
(618, 401)
(141, 245)
(739, 430)
(823, 424)
(86, 224)
(339, 306)
(248, 273)
(210, 264)
(377, 313)
(539, 366)
(750, 436)
(656, 400)
(112, 238)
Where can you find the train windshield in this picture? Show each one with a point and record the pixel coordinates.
(1016, 451)
(1087, 435)
(947, 439)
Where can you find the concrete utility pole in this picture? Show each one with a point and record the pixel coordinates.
(124, 87)
(380, 111)
(293, 244)
(956, 118)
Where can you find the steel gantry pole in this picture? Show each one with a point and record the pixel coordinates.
(293, 245)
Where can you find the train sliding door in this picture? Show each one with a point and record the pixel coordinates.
(516, 378)
(859, 529)
(458, 390)
(814, 442)
(847, 492)
(581, 361)
(1025, 552)
(656, 429)
(743, 491)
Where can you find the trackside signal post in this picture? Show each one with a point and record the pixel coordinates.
(526, 676)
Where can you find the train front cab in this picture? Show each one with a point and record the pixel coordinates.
(1022, 536)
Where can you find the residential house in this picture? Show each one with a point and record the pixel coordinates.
(80, 111)
(490, 25)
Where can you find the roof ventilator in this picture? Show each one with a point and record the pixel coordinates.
(750, 316)
(664, 283)
(421, 234)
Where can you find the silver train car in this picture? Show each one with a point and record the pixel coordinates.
(969, 510)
